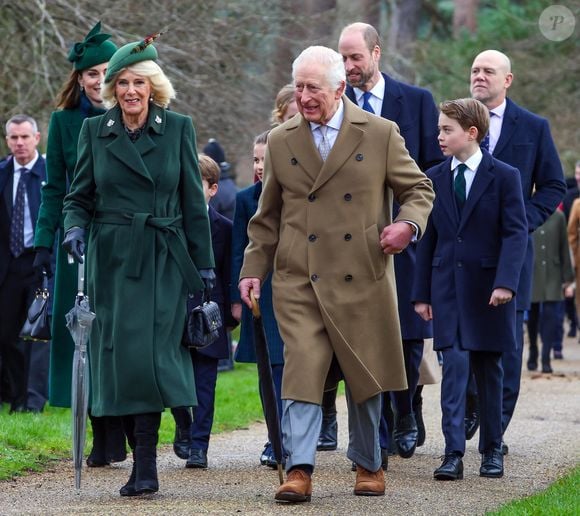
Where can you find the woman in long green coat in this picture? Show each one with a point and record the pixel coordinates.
(137, 196)
(79, 98)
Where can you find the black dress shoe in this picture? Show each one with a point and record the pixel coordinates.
(451, 468)
(182, 442)
(504, 448)
(197, 459)
(418, 410)
(327, 440)
(471, 424)
(405, 435)
(547, 369)
(492, 464)
(532, 366)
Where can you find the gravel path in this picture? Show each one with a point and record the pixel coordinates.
(544, 441)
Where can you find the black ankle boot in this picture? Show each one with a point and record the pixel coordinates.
(98, 456)
(129, 488)
(328, 438)
(146, 436)
(146, 480)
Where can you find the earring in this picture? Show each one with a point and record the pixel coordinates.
(82, 88)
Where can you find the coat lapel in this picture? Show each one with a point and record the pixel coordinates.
(445, 193)
(130, 154)
(301, 145)
(392, 100)
(346, 142)
(483, 177)
(507, 127)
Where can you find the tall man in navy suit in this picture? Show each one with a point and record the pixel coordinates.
(523, 140)
(414, 111)
(21, 177)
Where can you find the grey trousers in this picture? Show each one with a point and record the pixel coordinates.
(301, 423)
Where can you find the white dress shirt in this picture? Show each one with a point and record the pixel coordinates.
(28, 229)
(332, 128)
(495, 123)
(472, 164)
(376, 98)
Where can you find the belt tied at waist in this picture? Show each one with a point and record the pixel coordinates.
(175, 243)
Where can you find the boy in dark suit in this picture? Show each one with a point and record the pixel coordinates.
(468, 267)
(192, 438)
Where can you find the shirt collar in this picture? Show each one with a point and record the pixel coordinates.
(472, 162)
(335, 122)
(499, 110)
(28, 166)
(378, 90)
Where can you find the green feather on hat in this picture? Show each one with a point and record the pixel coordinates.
(132, 53)
(95, 49)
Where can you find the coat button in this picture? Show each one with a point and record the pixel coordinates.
(347, 197)
(348, 237)
(348, 277)
(314, 277)
(311, 197)
(359, 157)
(294, 161)
(459, 239)
(459, 264)
(312, 237)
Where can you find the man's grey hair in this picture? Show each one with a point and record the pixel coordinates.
(20, 119)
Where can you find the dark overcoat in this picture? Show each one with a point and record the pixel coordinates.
(246, 206)
(221, 243)
(552, 263)
(525, 142)
(318, 226)
(464, 256)
(142, 204)
(61, 158)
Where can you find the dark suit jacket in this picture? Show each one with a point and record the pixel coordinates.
(526, 143)
(221, 241)
(413, 110)
(463, 257)
(37, 178)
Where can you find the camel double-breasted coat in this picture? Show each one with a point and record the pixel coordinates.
(318, 226)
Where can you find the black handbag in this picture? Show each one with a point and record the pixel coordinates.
(203, 324)
(37, 324)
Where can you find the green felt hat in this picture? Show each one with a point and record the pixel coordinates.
(93, 50)
(132, 53)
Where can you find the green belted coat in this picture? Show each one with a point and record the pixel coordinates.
(148, 234)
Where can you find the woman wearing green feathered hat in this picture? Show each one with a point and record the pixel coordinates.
(79, 98)
(137, 200)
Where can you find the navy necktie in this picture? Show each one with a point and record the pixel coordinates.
(366, 106)
(17, 223)
(459, 185)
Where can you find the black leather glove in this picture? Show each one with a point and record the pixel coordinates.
(74, 243)
(42, 262)
(208, 277)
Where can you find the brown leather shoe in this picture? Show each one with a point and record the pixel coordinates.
(297, 488)
(369, 483)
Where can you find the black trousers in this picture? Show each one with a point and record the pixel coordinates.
(16, 294)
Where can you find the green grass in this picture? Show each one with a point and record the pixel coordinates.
(561, 498)
(29, 442)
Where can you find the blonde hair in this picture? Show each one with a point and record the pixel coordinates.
(284, 98)
(161, 88)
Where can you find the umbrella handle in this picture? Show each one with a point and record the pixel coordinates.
(255, 305)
